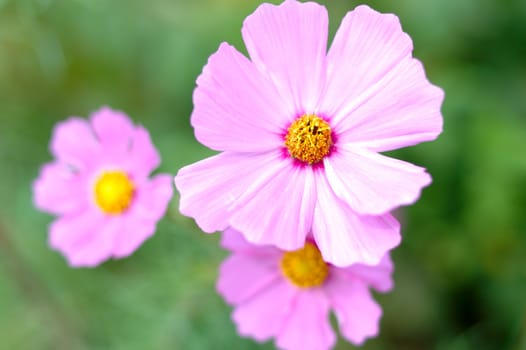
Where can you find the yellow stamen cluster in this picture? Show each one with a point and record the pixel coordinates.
(309, 139)
(304, 267)
(114, 192)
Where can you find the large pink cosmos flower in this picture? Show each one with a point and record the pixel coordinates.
(288, 295)
(299, 129)
(98, 185)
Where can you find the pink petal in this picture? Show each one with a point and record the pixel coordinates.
(404, 111)
(142, 157)
(385, 100)
(234, 241)
(308, 326)
(74, 143)
(152, 198)
(242, 276)
(58, 190)
(357, 313)
(236, 107)
(99, 247)
(132, 235)
(373, 184)
(83, 238)
(149, 206)
(113, 129)
(346, 238)
(261, 316)
(380, 276)
(278, 211)
(288, 43)
(209, 187)
(366, 47)
(68, 230)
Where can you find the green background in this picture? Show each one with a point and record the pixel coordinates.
(460, 271)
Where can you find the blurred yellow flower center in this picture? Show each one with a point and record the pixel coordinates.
(114, 192)
(304, 267)
(309, 138)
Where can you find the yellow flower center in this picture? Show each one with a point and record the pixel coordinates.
(114, 192)
(309, 139)
(304, 267)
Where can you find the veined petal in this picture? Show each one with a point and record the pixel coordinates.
(385, 101)
(344, 237)
(357, 313)
(262, 316)
(403, 110)
(59, 190)
(307, 326)
(242, 276)
(373, 184)
(209, 187)
(367, 46)
(278, 211)
(288, 44)
(74, 143)
(236, 107)
(113, 129)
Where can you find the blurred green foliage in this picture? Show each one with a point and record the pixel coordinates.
(460, 272)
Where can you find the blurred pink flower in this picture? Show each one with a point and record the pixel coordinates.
(98, 186)
(288, 295)
(299, 129)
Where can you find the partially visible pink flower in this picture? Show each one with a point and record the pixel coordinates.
(288, 295)
(300, 129)
(98, 186)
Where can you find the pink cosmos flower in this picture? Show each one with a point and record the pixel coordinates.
(300, 128)
(98, 186)
(288, 295)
